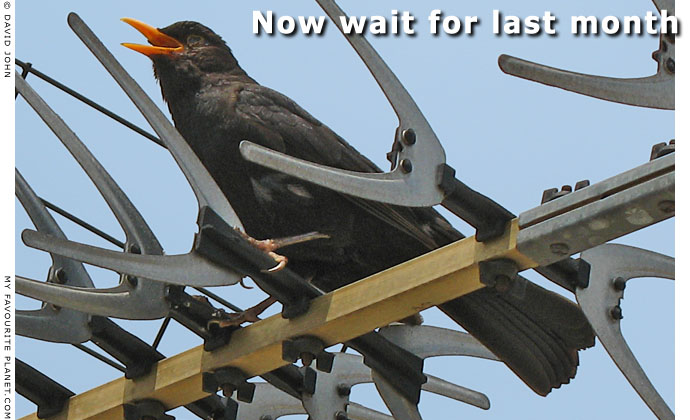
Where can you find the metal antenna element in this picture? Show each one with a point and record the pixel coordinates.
(205, 189)
(51, 323)
(615, 206)
(420, 177)
(612, 266)
(134, 299)
(657, 91)
(331, 398)
(148, 261)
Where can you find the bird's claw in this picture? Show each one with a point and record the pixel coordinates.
(251, 315)
(269, 246)
(280, 259)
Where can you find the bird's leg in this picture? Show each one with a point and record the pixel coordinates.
(248, 315)
(269, 246)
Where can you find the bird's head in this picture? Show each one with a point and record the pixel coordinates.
(184, 52)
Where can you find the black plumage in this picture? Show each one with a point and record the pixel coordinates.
(215, 105)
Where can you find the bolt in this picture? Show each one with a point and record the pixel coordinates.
(134, 249)
(667, 206)
(409, 137)
(559, 248)
(582, 184)
(502, 283)
(406, 165)
(306, 358)
(340, 415)
(228, 389)
(617, 313)
(60, 276)
(343, 390)
(133, 281)
(671, 65)
(619, 284)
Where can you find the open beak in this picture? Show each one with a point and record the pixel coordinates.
(161, 44)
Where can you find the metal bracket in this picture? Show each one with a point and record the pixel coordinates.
(612, 266)
(657, 91)
(614, 207)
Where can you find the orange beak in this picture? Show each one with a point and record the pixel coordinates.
(161, 44)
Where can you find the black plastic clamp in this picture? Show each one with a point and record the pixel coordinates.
(229, 380)
(402, 369)
(489, 218)
(307, 348)
(49, 396)
(293, 380)
(195, 315)
(137, 356)
(569, 273)
(221, 244)
(146, 410)
(499, 273)
(214, 408)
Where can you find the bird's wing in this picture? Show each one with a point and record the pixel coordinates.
(305, 137)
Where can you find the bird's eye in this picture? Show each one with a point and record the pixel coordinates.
(194, 40)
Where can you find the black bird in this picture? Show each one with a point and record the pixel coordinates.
(215, 105)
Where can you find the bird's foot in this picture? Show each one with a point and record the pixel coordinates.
(250, 315)
(269, 246)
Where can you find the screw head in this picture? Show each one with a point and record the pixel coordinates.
(619, 283)
(559, 248)
(409, 137)
(343, 390)
(671, 65)
(60, 276)
(667, 206)
(133, 281)
(617, 313)
(406, 166)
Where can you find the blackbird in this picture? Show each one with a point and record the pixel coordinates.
(215, 105)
